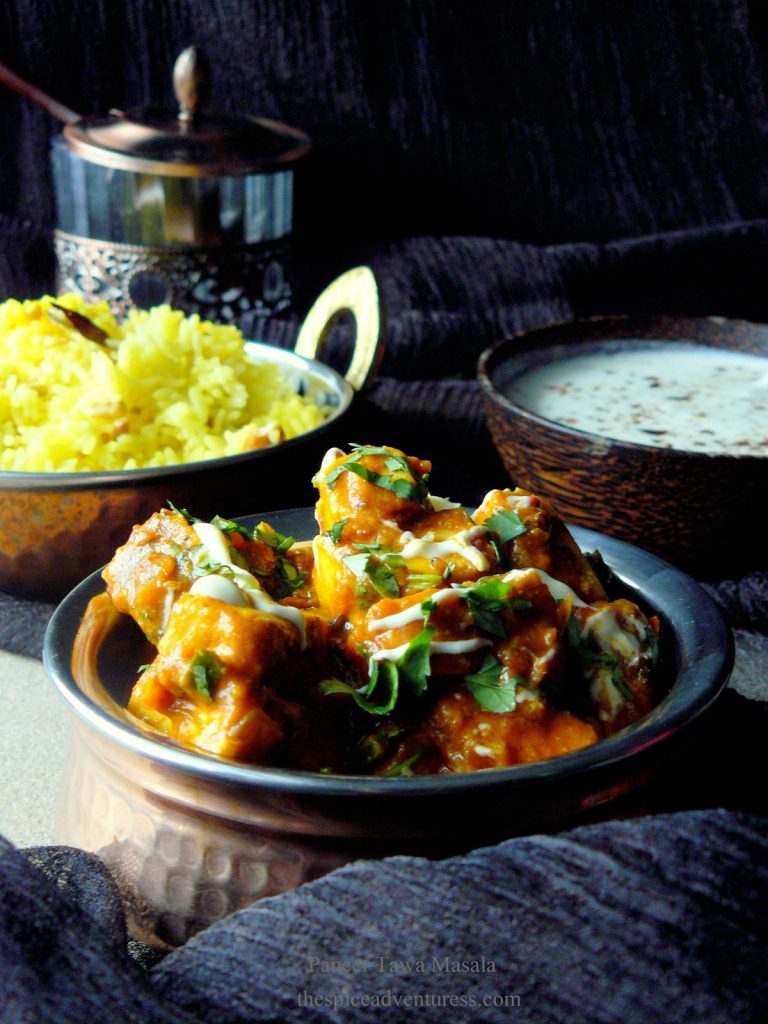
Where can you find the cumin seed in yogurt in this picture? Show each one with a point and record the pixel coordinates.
(666, 394)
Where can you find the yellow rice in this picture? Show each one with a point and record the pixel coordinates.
(165, 389)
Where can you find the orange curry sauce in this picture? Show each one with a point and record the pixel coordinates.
(409, 637)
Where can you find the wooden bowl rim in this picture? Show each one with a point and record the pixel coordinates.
(718, 332)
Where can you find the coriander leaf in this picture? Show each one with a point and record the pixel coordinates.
(269, 535)
(357, 564)
(289, 580)
(183, 512)
(366, 449)
(393, 560)
(332, 478)
(382, 578)
(369, 569)
(589, 659)
(403, 768)
(205, 671)
(335, 531)
(375, 746)
(507, 525)
(487, 600)
(423, 581)
(413, 663)
(504, 562)
(489, 673)
(361, 471)
(228, 526)
(618, 681)
(410, 487)
(489, 691)
(378, 696)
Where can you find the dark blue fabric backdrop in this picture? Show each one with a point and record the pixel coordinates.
(501, 165)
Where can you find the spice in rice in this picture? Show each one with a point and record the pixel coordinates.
(163, 389)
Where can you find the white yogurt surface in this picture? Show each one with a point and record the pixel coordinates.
(668, 395)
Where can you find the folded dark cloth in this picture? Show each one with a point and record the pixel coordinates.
(659, 919)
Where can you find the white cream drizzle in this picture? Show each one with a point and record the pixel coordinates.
(519, 501)
(460, 544)
(441, 504)
(221, 588)
(559, 591)
(605, 695)
(329, 458)
(436, 647)
(412, 614)
(511, 500)
(610, 636)
(237, 587)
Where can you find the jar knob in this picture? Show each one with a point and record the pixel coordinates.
(189, 80)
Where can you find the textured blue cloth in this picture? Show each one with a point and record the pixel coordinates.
(660, 919)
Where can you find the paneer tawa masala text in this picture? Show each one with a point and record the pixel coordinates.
(408, 637)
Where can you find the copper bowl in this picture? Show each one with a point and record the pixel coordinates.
(191, 837)
(56, 528)
(705, 512)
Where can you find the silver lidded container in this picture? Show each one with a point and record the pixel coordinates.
(188, 208)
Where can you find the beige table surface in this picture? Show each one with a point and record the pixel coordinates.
(33, 742)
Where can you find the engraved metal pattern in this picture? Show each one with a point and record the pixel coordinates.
(219, 283)
(177, 871)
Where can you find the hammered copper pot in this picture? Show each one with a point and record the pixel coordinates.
(704, 512)
(191, 837)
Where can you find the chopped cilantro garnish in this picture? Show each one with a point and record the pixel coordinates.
(487, 600)
(488, 689)
(289, 579)
(423, 580)
(367, 449)
(413, 663)
(403, 768)
(357, 564)
(335, 531)
(269, 535)
(401, 479)
(205, 671)
(229, 526)
(378, 696)
(589, 659)
(507, 525)
(382, 579)
(374, 571)
(504, 563)
(183, 512)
